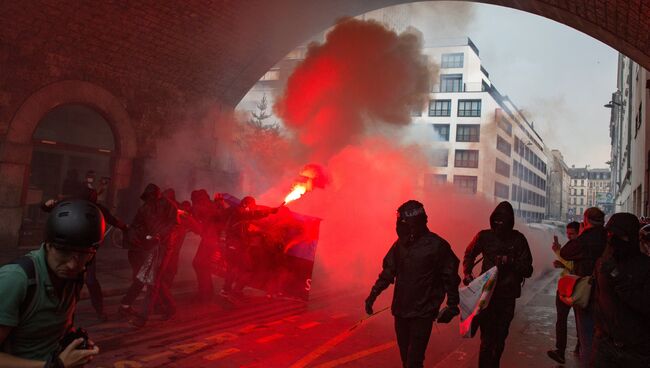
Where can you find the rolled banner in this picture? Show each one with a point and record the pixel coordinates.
(474, 298)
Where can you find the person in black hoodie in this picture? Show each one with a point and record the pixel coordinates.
(508, 250)
(424, 270)
(584, 251)
(622, 298)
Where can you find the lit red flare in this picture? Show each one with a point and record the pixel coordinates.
(311, 176)
(298, 190)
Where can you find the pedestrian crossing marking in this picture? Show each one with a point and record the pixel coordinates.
(250, 328)
(152, 357)
(357, 355)
(220, 338)
(190, 348)
(220, 354)
(309, 325)
(269, 338)
(127, 364)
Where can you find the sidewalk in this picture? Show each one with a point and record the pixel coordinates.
(532, 332)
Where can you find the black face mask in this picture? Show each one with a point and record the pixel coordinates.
(622, 248)
(402, 229)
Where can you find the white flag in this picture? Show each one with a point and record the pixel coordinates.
(475, 297)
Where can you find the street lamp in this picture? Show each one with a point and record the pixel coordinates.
(611, 104)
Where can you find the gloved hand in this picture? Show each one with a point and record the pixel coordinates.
(609, 268)
(447, 314)
(467, 279)
(370, 300)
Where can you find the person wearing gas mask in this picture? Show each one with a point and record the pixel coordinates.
(622, 298)
(239, 234)
(424, 270)
(508, 250)
(583, 251)
(39, 291)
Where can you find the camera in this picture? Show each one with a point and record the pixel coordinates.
(73, 335)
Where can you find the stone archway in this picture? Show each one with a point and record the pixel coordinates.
(16, 149)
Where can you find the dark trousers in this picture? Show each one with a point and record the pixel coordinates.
(495, 323)
(203, 267)
(585, 321)
(136, 260)
(562, 311)
(607, 355)
(413, 337)
(172, 268)
(94, 288)
(159, 292)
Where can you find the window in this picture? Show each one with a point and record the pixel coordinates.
(440, 108)
(503, 146)
(452, 60)
(466, 158)
(503, 168)
(469, 108)
(440, 158)
(432, 180)
(582, 201)
(442, 132)
(501, 190)
(465, 184)
(451, 83)
(505, 125)
(468, 132)
(582, 192)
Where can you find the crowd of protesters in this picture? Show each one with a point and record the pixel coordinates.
(611, 257)
(154, 239)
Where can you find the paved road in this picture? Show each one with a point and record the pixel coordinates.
(261, 332)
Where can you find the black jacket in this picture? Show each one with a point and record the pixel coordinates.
(156, 217)
(510, 243)
(622, 302)
(423, 272)
(584, 250)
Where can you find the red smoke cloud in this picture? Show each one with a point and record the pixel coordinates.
(363, 74)
(363, 79)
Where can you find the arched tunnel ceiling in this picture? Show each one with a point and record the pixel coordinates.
(218, 49)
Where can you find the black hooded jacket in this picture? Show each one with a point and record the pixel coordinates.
(502, 241)
(622, 312)
(423, 272)
(156, 217)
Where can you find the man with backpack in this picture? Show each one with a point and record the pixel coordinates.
(40, 291)
(583, 251)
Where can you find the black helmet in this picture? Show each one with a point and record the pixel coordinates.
(76, 224)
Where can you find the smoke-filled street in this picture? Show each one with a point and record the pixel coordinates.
(320, 184)
(283, 333)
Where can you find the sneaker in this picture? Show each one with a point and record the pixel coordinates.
(556, 355)
(576, 351)
(126, 312)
